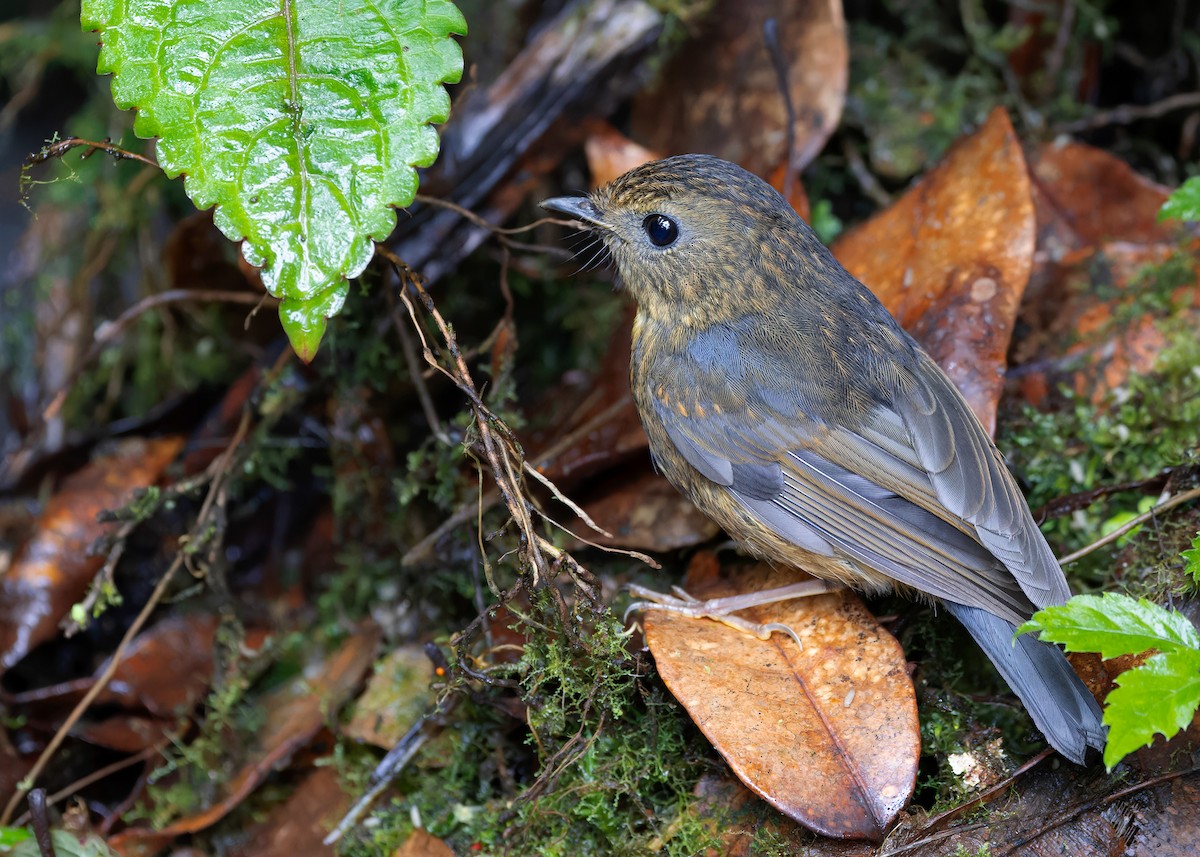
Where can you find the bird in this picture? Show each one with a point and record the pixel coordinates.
(783, 399)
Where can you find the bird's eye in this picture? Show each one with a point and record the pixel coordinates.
(662, 230)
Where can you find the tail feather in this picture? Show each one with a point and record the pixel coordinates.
(1039, 673)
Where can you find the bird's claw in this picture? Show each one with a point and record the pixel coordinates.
(721, 609)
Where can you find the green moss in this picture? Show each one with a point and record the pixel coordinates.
(1138, 431)
(600, 765)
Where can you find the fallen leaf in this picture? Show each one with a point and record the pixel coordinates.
(721, 93)
(644, 512)
(1103, 327)
(298, 825)
(951, 259)
(295, 713)
(53, 570)
(828, 733)
(423, 844)
(1099, 196)
(125, 733)
(610, 154)
(396, 696)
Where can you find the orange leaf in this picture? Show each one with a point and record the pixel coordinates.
(52, 570)
(722, 96)
(827, 734)
(951, 259)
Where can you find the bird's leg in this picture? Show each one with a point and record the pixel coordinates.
(721, 609)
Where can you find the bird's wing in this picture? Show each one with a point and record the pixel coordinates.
(914, 490)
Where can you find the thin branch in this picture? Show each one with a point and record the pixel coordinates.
(1129, 113)
(58, 148)
(467, 214)
(1080, 809)
(1130, 524)
(111, 330)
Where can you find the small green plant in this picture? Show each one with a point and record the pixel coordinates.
(1184, 203)
(1159, 696)
(1191, 562)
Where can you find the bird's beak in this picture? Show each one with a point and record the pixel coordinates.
(579, 207)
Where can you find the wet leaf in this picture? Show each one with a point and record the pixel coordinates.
(303, 128)
(1098, 319)
(396, 696)
(295, 713)
(299, 825)
(827, 734)
(721, 94)
(1098, 196)
(52, 571)
(951, 259)
(611, 154)
(643, 511)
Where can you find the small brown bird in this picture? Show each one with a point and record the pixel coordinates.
(784, 400)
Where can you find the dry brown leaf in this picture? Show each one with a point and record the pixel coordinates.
(1098, 196)
(423, 844)
(827, 734)
(721, 93)
(396, 696)
(295, 713)
(644, 512)
(53, 570)
(951, 259)
(610, 154)
(298, 826)
(1084, 198)
(1092, 339)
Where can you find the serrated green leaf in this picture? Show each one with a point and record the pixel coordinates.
(1113, 624)
(1184, 203)
(1160, 696)
(301, 120)
(1191, 561)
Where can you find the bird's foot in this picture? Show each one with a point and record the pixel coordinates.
(721, 609)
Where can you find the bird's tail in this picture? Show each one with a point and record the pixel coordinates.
(1039, 673)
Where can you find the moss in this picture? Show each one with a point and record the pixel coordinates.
(600, 765)
(1136, 432)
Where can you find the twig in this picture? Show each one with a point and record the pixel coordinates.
(1129, 113)
(40, 823)
(219, 470)
(479, 221)
(951, 814)
(1054, 60)
(418, 381)
(865, 178)
(1130, 524)
(1060, 506)
(779, 62)
(95, 776)
(500, 447)
(565, 500)
(1092, 804)
(111, 330)
(58, 148)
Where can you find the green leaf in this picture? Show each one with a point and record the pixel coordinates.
(1113, 624)
(301, 120)
(1160, 696)
(10, 836)
(1191, 561)
(1184, 203)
